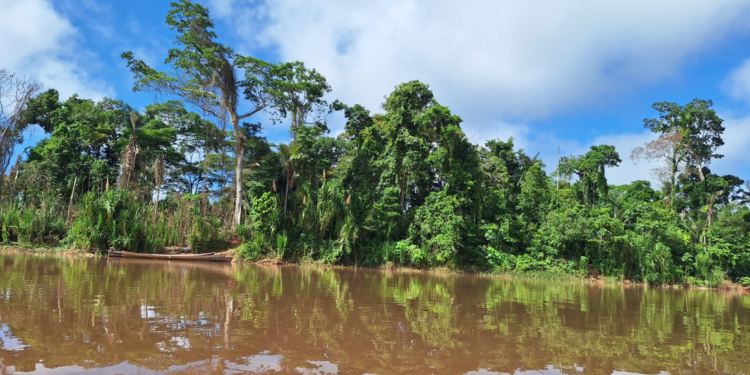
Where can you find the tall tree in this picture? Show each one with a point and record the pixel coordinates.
(590, 170)
(700, 130)
(207, 74)
(698, 125)
(409, 142)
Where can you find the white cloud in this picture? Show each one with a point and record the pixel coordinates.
(36, 41)
(222, 8)
(500, 130)
(508, 59)
(502, 65)
(735, 150)
(737, 83)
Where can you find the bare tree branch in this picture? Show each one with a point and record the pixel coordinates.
(15, 94)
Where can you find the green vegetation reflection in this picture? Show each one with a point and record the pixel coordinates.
(98, 313)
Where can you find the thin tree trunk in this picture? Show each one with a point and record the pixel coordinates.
(239, 154)
(673, 187)
(156, 203)
(700, 172)
(204, 200)
(204, 177)
(70, 202)
(709, 205)
(286, 193)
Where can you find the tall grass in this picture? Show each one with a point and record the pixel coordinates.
(27, 223)
(118, 219)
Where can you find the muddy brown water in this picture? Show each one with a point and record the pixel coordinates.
(118, 316)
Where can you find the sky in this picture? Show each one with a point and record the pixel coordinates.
(547, 73)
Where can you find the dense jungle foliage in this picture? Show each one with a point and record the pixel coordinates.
(403, 187)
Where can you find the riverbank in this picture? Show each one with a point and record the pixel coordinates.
(532, 275)
(57, 250)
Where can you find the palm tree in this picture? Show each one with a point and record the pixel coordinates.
(742, 196)
(527, 161)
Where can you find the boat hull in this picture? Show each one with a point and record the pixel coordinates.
(207, 257)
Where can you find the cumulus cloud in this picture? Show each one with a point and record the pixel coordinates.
(39, 42)
(520, 132)
(737, 83)
(505, 58)
(736, 140)
(500, 65)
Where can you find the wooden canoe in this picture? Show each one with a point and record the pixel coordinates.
(225, 256)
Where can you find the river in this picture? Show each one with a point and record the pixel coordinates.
(63, 315)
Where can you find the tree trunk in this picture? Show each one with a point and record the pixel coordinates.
(70, 202)
(286, 193)
(203, 176)
(156, 202)
(239, 154)
(673, 187)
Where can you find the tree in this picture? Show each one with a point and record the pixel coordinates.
(83, 144)
(205, 73)
(694, 131)
(196, 138)
(15, 94)
(590, 170)
(668, 147)
(438, 227)
(409, 143)
(360, 171)
(700, 132)
(699, 127)
(297, 92)
(703, 196)
(90, 140)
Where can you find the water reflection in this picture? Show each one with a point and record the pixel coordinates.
(320, 368)
(8, 341)
(258, 364)
(62, 315)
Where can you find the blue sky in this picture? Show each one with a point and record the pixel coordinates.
(552, 74)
